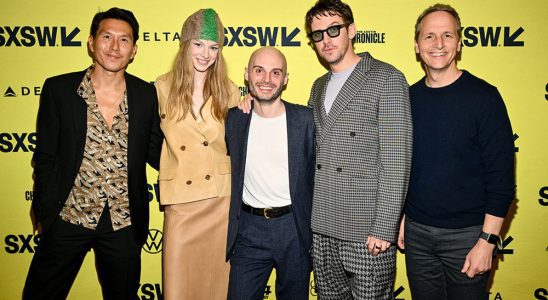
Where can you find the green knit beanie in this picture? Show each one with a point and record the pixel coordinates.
(203, 25)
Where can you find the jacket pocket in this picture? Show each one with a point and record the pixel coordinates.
(224, 168)
(167, 174)
(364, 182)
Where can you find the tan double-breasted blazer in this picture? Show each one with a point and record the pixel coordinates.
(194, 164)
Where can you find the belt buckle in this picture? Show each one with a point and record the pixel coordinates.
(265, 212)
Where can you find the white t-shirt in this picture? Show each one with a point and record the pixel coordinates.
(266, 178)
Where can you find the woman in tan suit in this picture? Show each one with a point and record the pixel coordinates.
(194, 176)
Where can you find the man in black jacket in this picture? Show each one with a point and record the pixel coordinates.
(96, 130)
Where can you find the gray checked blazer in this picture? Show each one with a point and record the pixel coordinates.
(363, 153)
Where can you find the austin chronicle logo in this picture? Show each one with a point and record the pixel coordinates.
(153, 243)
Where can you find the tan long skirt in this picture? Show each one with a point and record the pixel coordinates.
(194, 248)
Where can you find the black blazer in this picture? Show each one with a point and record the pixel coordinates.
(61, 136)
(301, 144)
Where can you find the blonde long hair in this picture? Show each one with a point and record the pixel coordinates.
(181, 82)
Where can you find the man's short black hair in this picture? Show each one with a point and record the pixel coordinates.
(118, 14)
(329, 8)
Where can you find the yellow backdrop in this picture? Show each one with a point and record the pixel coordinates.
(505, 44)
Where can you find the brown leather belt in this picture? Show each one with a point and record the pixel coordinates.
(268, 212)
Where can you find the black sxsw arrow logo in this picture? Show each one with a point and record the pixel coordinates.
(510, 40)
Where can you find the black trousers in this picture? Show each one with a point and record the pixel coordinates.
(434, 258)
(62, 250)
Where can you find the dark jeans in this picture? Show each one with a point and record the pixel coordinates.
(62, 250)
(434, 258)
(261, 245)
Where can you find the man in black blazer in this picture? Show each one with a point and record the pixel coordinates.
(272, 157)
(96, 130)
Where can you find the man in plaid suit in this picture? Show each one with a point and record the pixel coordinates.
(363, 154)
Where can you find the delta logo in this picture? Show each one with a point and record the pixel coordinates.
(11, 92)
(495, 296)
(43, 36)
(241, 36)
(490, 36)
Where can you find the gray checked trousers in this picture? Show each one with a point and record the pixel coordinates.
(345, 270)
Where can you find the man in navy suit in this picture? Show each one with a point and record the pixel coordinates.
(96, 130)
(272, 157)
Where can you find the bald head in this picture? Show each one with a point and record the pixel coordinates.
(266, 74)
(268, 54)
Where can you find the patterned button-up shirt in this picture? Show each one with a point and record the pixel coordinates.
(103, 175)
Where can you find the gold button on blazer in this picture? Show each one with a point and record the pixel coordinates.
(194, 164)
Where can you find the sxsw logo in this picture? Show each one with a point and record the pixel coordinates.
(153, 191)
(516, 137)
(541, 294)
(15, 142)
(492, 36)
(261, 36)
(267, 292)
(43, 36)
(543, 193)
(150, 291)
(23, 91)
(21, 243)
(153, 243)
(505, 249)
(369, 37)
(397, 293)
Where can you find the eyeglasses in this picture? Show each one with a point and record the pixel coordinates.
(332, 31)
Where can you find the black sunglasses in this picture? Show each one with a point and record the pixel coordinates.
(332, 31)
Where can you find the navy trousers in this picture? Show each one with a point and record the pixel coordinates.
(434, 257)
(266, 244)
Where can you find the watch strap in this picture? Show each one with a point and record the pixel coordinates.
(492, 239)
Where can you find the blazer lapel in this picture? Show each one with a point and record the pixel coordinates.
(293, 139)
(133, 122)
(346, 94)
(242, 138)
(320, 106)
(79, 117)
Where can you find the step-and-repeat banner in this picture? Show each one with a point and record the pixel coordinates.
(504, 42)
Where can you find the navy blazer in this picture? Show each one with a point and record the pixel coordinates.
(301, 160)
(61, 136)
